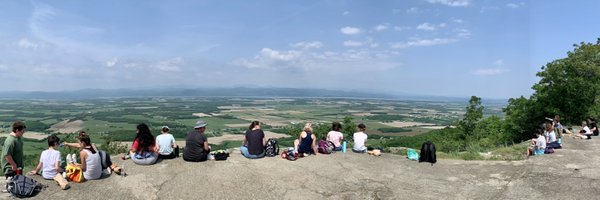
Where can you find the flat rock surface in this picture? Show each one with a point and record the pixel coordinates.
(570, 173)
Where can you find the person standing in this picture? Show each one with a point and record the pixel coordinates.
(254, 142)
(196, 144)
(12, 152)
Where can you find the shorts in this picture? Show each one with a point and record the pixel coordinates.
(539, 152)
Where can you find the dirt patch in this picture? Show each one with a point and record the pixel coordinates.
(201, 115)
(403, 124)
(30, 135)
(433, 127)
(67, 126)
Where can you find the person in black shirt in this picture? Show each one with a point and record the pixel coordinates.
(254, 142)
(196, 144)
(593, 126)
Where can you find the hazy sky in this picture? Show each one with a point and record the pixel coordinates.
(437, 47)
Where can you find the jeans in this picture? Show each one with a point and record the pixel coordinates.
(247, 154)
(356, 151)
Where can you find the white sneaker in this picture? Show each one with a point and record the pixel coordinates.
(73, 158)
(64, 174)
(68, 158)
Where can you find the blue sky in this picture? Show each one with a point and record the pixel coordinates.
(453, 48)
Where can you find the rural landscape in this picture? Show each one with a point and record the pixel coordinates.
(112, 121)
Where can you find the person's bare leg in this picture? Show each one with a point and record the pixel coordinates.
(64, 184)
(296, 144)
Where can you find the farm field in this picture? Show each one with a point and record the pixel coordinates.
(115, 119)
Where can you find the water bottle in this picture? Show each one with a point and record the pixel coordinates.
(344, 146)
(123, 169)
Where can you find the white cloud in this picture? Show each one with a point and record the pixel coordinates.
(499, 62)
(171, 65)
(3, 67)
(426, 27)
(497, 70)
(112, 62)
(463, 33)
(27, 44)
(515, 5)
(350, 30)
(292, 60)
(346, 13)
(381, 27)
(308, 45)
(452, 3)
(459, 21)
(422, 43)
(489, 72)
(401, 28)
(413, 10)
(351, 43)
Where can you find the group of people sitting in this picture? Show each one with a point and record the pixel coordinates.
(551, 136)
(255, 142)
(146, 150)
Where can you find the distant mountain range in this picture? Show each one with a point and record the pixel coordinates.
(220, 92)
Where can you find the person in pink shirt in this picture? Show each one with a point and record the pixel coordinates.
(335, 136)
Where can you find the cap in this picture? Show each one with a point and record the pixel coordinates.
(200, 124)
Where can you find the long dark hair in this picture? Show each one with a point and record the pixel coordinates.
(336, 126)
(253, 124)
(144, 137)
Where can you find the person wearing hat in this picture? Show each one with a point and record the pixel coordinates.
(167, 148)
(196, 144)
(360, 139)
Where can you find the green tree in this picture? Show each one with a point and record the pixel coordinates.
(568, 87)
(473, 115)
(348, 127)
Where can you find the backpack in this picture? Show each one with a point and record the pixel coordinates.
(412, 155)
(289, 155)
(22, 186)
(221, 155)
(428, 153)
(325, 147)
(272, 148)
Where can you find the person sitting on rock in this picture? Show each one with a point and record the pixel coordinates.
(360, 139)
(305, 144)
(90, 159)
(144, 150)
(550, 135)
(254, 142)
(196, 144)
(585, 132)
(50, 163)
(335, 136)
(593, 126)
(107, 163)
(538, 144)
(167, 148)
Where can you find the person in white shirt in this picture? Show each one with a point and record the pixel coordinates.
(167, 148)
(538, 145)
(50, 163)
(585, 132)
(360, 139)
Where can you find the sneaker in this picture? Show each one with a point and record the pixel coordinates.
(64, 174)
(68, 158)
(74, 158)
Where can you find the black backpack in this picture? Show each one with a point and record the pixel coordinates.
(272, 148)
(428, 153)
(22, 186)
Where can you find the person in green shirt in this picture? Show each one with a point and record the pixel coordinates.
(12, 152)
